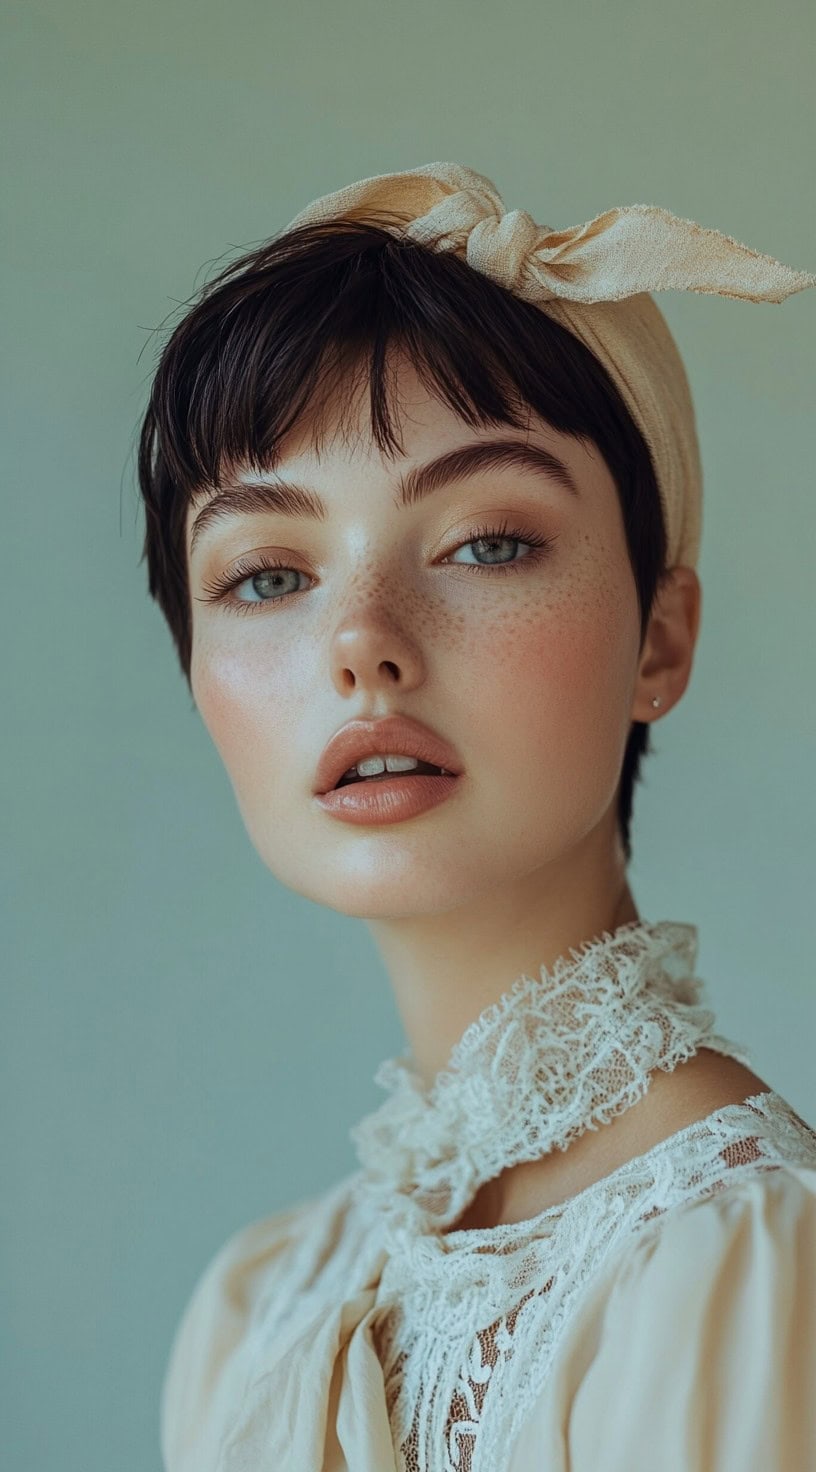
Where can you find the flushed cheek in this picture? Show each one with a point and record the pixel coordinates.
(251, 714)
(555, 694)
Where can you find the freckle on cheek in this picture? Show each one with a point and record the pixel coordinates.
(564, 644)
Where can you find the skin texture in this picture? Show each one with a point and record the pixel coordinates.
(533, 676)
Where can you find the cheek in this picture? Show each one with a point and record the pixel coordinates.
(248, 709)
(562, 676)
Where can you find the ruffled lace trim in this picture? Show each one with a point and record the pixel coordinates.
(557, 1054)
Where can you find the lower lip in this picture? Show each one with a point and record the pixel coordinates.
(387, 802)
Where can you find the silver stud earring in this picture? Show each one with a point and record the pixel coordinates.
(657, 700)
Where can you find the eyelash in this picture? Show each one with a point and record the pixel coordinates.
(247, 568)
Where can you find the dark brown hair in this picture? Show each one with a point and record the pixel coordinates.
(295, 324)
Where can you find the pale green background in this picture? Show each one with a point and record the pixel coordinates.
(186, 1043)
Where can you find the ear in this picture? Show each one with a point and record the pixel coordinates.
(668, 648)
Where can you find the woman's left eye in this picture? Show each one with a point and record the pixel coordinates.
(484, 538)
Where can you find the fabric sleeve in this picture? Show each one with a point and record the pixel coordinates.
(200, 1379)
(695, 1350)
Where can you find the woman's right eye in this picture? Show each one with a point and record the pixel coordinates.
(244, 571)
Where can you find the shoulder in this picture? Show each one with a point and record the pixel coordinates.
(691, 1091)
(696, 1347)
(760, 1230)
(203, 1372)
(755, 1236)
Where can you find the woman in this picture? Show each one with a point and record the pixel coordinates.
(422, 489)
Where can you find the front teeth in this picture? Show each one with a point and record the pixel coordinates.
(371, 766)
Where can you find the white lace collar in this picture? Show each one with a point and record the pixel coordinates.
(557, 1054)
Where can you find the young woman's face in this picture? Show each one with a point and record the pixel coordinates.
(525, 660)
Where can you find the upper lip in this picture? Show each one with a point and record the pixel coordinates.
(397, 735)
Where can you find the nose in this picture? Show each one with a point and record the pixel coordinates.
(371, 656)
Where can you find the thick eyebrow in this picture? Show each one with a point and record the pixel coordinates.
(283, 498)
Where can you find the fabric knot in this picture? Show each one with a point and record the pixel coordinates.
(495, 241)
(503, 249)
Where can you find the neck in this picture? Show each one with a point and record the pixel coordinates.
(445, 969)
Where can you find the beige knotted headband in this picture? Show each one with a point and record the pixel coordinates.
(594, 279)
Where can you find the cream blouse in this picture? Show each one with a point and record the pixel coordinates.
(662, 1318)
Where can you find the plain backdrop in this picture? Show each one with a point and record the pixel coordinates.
(185, 1044)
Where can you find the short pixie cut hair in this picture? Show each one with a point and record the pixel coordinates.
(296, 323)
